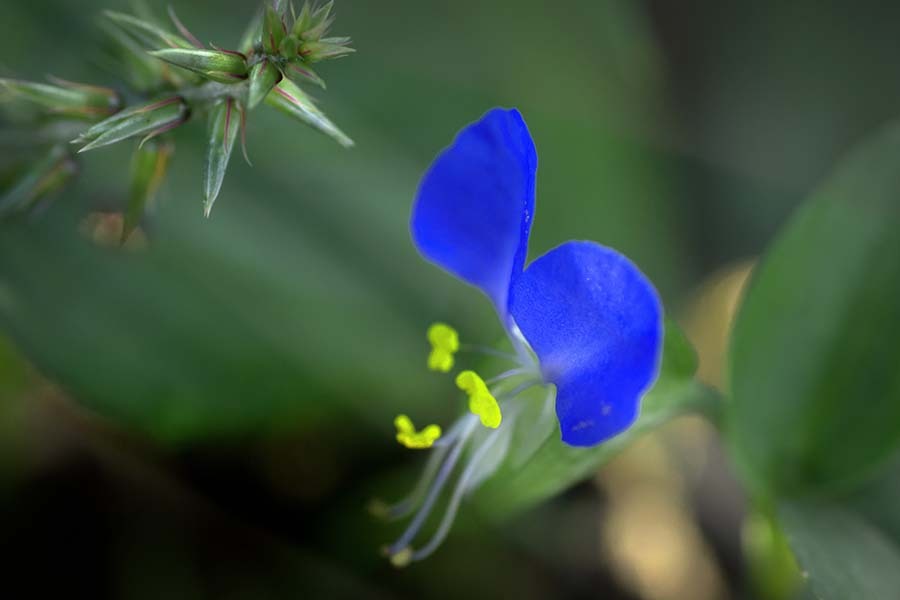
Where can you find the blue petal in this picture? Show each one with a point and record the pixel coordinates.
(595, 322)
(473, 210)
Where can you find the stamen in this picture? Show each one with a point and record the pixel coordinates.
(403, 542)
(444, 344)
(455, 500)
(408, 504)
(481, 401)
(409, 437)
(507, 374)
(487, 350)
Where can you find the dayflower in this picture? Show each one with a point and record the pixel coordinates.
(582, 320)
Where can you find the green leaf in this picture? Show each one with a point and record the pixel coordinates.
(148, 169)
(842, 555)
(223, 129)
(263, 77)
(149, 120)
(291, 100)
(554, 466)
(218, 65)
(814, 357)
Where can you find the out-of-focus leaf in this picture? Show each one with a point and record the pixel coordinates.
(223, 130)
(814, 357)
(842, 555)
(291, 100)
(148, 169)
(68, 99)
(555, 466)
(47, 175)
(251, 35)
(153, 36)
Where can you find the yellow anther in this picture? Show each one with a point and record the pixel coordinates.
(444, 343)
(402, 559)
(481, 401)
(409, 437)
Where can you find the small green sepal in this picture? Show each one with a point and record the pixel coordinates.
(263, 77)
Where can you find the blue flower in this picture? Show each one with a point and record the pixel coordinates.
(584, 322)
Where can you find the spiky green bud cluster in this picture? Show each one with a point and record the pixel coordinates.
(169, 78)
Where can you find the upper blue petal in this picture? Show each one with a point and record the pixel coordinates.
(595, 322)
(473, 210)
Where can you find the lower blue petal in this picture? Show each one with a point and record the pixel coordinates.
(474, 206)
(595, 322)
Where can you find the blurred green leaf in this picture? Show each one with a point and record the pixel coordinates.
(841, 554)
(153, 36)
(814, 377)
(224, 123)
(148, 169)
(68, 98)
(555, 466)
(48, 174)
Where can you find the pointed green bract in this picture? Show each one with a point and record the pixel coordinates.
(291, 100)
(224, 122)
(263, 78)
(68, 99)
(217, 65)
(149, 121)
(299, 72)
(148, 169)
(325, 50)
(273, 30)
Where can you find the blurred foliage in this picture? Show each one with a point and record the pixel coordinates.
(260, 356)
